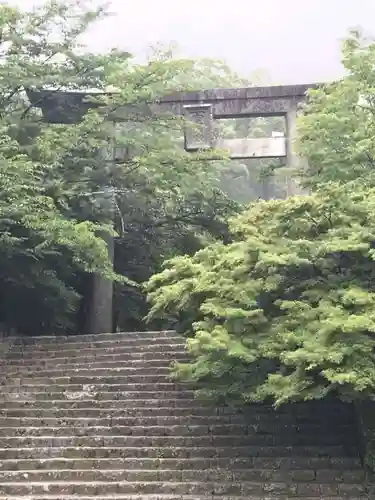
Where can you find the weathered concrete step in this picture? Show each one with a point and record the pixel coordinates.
(246, 423)
(114, 439)
(77, 379)
(141, 352)
(158, 359)
(34, 366)
(164, 382)
(181, 429)
(151, 404)
(136, 351)
(97, 395)
(114, 410)
(52, 449)
(180, 401)
(120, 410)
(147, 497)
(117, 409)
(275, 434)
(242, 488)
(113, 341)
(168, 415)
(93, 372)
(117, 417)
(105, 387)
(298, 463)
(235, 423)
(114, 379)
(61, 339)
(132, 414)
(29, 367)
(140, 497)
(152, 436)
(325, 476)
(16, 403)
(98, 385)
(198, 424)
(121, 434)
(132, 405)
(177, 497)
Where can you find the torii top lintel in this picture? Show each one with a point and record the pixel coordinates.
(69, 106)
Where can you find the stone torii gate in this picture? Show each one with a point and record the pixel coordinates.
(203, 109)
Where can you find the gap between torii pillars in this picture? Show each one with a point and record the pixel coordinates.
(100, 314)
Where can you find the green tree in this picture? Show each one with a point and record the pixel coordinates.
(337, 128)
(36, 236)
(286, 311)
(62, 183)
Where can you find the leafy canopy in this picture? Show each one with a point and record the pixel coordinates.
(337, 129)
(54, 177)
(286, 311)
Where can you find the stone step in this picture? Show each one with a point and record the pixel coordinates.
(107, 416)
(100, 416)
(93, 372)
(325, 476)
(120, 357)
(114, 410)
(30, 448)
(137, 497)
(158, 358)
(97, 395)
(144, 391)
(141, 391)
(121, 436)
(163, 407)
(199, 424)
(115, 379)
(119, 420)
(116, 340)
(345, 417)
(150, 405)
(132, 405)
(93, 408)
(134, 402)
(117, 441)
(243, 488)
(197, 404)
(248, 423)
(276, 433)
(297, 463)
(62, 351)
(31, 367)
(97, 337)
(161, 381)
(115, 388)
(234, 423)
(174, 497)
(78, 379)
(184, 429)
(117, 409)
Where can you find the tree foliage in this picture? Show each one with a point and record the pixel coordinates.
(286, 311)
(337, 129)
(62, 184)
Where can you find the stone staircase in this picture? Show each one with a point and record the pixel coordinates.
(98, 417)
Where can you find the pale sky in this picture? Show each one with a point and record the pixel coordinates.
(295, 41)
